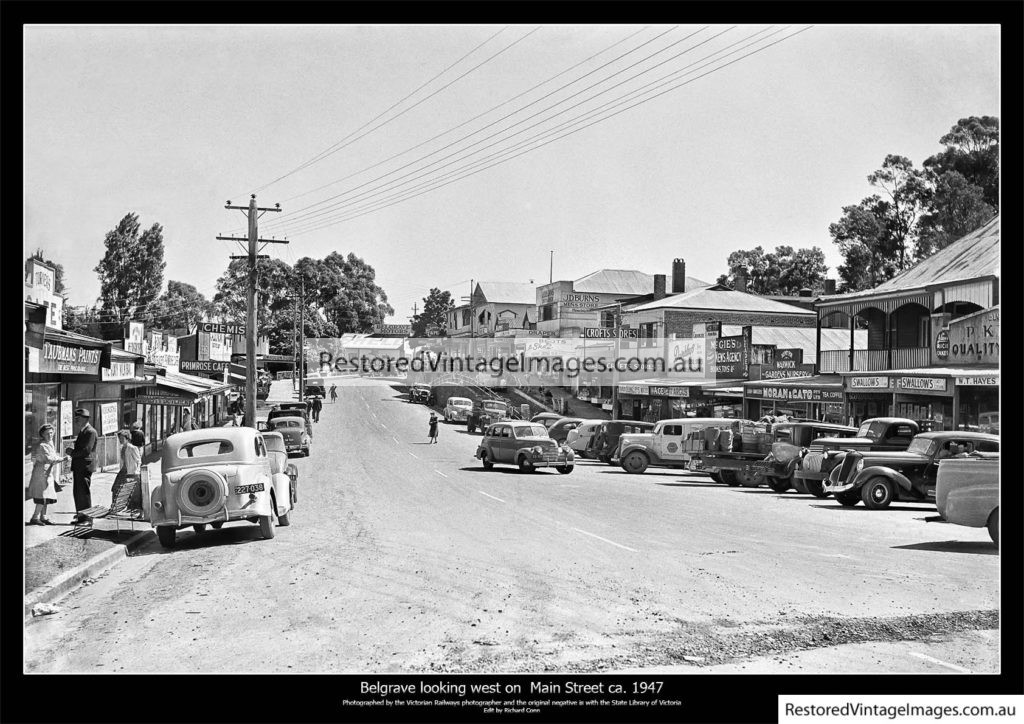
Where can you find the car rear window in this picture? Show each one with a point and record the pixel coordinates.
(205, 449)
(531, 431)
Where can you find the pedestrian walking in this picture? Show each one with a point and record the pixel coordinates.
(334, 393)
(186, 421)
(138, 436)
(131, 464)
(83, 465)
(45, 470)
(433, 428)
(317, 406)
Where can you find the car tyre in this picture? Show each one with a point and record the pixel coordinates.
(485, 461)
(717, 477)
(216, 525)
(525, 466)
(848, 498)
(267, 529)
(730, 478)
(305, 452)
(780, 485)
(470, 427)
(283, 520)
(199, 527)
(877, 493)
(166, 535)
(564, 469)
(993, 526)
(635, 463)
(749, 480)
(816, 488)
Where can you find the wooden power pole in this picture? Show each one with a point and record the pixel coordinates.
(253, 213)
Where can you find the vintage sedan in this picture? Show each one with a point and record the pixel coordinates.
(881, 477)
(279, 464)
(215, 476)
(794, 441)
(420, 393)
(559, 430)
(967, 492)
(456, 409)
(547, 419)
(277, 412)
(485, 412)
(606, 441)
(524, 444)
(293, 430)
(581, 438)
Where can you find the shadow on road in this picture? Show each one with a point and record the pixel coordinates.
(690, 485)
(230, 535)
(953, 546)
(510, 470)
(862, 509)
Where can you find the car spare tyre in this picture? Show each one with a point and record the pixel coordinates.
(201, 493)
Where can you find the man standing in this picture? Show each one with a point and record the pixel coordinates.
(334, 393)
(83, 465)
(317, 407)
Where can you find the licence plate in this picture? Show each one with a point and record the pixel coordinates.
(756, 467)
(254, 488)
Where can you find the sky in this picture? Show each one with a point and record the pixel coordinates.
(172, 122)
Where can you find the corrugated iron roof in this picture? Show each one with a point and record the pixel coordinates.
(625, 281)
(723, 300)
(970, 257)
(507, 292)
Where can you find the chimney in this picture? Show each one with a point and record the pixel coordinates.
(678, 276)
(741, 280)
(659, 286)
(805, 292)
(830, 286)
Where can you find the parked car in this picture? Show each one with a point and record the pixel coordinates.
(297, 405)
(457, 409)
(485, 412)
(279, 465)
(881, 477)
(559, 429)
(293, 431)
(581, 438)
(525, 444)
(875, 434)
(793, 441)
(989, 422)
(214, 476)
(547, 419)
(671, 443)
(967, 492)
(420, 393)
(607, 438)
(294, 412)
(316, 389)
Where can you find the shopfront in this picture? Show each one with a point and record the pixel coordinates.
(809, 398)
(978, 401)
(925, 398)
(868, 396)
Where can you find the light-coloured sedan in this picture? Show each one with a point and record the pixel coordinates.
(580, 438)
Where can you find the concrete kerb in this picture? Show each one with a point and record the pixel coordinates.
(63, 583)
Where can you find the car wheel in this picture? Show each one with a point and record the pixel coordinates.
(815, 488)
(749, 480)
(217, 525)
(877, 493)
(564, 469)
(605, 459)
(779, 485)
(199, 527)
(283, 520)
(848, 498)
(485, 461)
(166, 534)
(469, 427)
(305, 452)
(729, 478)
(267, 529)
(717, 477)
(993, 526)
(635, 463)
(525, 466)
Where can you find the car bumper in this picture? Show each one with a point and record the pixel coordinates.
(837, 488)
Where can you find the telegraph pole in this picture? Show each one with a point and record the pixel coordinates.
(253, 213)
(615, 362)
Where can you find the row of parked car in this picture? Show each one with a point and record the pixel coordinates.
(882, 461)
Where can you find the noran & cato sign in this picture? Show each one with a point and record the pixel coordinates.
(68, 359)
(795, 394)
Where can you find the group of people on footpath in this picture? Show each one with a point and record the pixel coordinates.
(47, 465)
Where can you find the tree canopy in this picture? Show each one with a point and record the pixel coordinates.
(785, 271)
(434, 315)
(180, 306)
(131, 272)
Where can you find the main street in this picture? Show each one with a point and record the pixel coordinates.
(404, 556)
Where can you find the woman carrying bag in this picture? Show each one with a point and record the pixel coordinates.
(131, 464)
(45, 470)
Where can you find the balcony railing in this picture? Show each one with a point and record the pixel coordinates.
(872, 360)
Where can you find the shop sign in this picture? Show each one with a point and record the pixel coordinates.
(212, 346)
(789, 355)
(610, 333)
(118, 371)
(785, 371)
(796, 394)
(222, 328)
(402, 329)
(68, 358)
(868, 383)
(977, 380)
(202, 366)
(633, 389)
(713, 329)
(66, 418)
(156, 396)
(687, 358)
(928, 384)
(581, 301)
(973, 339)
(165, 359)
(664, 391)
(942, 344)
(108, 418)
(732, 356)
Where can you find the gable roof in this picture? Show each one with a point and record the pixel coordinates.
(720, 299)
(624, 281)
(505, 293)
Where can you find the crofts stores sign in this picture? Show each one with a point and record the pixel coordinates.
(69, 359)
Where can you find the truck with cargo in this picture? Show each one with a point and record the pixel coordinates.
(673, 443)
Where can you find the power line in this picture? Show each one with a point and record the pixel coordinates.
(330, 222)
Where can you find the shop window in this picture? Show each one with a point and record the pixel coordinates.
(547, 312)
(608, 319)
(647, 335)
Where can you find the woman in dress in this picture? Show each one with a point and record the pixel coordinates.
(45, 470)
(131, 464)
(433, 428)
